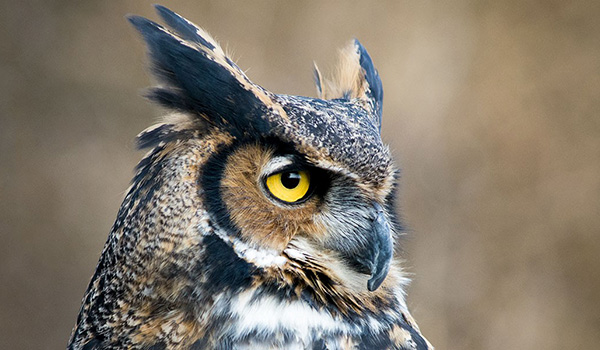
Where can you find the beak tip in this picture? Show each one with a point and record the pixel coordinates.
(377, 278)
(372, 285)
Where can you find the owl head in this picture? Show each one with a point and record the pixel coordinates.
(291, 183)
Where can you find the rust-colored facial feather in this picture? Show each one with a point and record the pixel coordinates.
(260, 219)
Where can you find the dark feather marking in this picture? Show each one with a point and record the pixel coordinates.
(281, 293)
(200, 344)
(146, 178)
(93, 344)
(372, 77)
(158, 346)
(257, 336)
(185, 29)
(169, 98)
(371, 341)
(318, 83)
(225, 343)
(198, 84)
(153, 137)
(214, 329)
(416, 336)
(224, 269)
(319, 345)
(210, 182)
(164, 133)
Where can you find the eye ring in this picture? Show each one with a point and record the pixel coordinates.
(291, 186)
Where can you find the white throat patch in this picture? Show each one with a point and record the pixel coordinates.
(259, 257)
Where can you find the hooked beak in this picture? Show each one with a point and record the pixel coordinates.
(381, 249)
(369, 250)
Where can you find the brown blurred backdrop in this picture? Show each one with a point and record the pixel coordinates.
(491, 107)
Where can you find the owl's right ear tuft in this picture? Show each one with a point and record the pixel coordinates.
(355, 78)
(197, 77)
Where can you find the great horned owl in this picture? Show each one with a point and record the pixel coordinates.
(256, 220)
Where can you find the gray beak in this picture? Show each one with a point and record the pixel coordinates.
(382, 249)
(369, 250)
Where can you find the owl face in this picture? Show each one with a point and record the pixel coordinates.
(270, 196)
(292, 178)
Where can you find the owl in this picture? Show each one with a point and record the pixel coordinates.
(256, 220)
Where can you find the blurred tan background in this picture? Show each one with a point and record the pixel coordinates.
(491, 107)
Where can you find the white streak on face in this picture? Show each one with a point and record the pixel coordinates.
(258, 257)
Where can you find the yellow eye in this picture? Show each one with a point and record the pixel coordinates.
(289, 186)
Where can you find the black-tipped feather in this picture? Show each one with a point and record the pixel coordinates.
(375, 92)
(182, 26)
(196, 82)
(167, 97)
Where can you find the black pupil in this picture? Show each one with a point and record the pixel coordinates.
(290, 180)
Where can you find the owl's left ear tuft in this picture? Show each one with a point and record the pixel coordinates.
(355, 78)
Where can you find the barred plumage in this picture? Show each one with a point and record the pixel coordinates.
(206, 254)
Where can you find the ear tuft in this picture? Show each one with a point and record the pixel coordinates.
(186, 29)
(355, 78)
(318, 80)
(197, 77)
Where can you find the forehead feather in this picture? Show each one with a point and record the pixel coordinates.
(338, 133)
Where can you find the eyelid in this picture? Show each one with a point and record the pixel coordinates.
(277, 165)
(292, 168)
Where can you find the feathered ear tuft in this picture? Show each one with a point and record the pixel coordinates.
(355, 78)
(197, 77)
